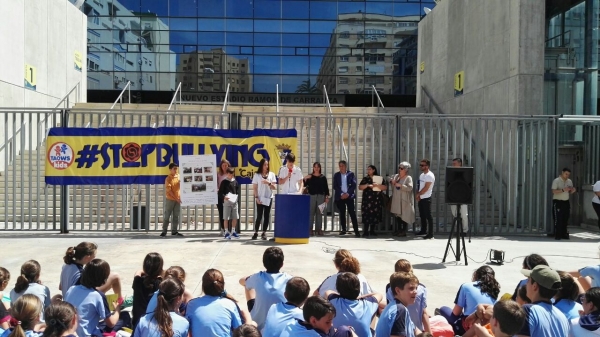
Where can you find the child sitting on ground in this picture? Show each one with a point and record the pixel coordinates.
(418, 310)
(318, 316)
(61, 320)
(284, 313)
(506, 318)
(26, 312)
(395, 318)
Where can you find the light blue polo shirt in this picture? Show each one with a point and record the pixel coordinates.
(147, 326)
(569, 308)
(544, 320)
(592, 272)
(416, 309)
(92, 307)
(395, 320)
(280, 315)
(70, 276)
(269, 288)
(28, 333)
(469, 296)
(213, 316)
(300, 329)
(41, 291)
(355, 313)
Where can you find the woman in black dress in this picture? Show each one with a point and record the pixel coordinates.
(372, 203)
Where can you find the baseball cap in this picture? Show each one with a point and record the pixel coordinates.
(544, 276)
(173, 165)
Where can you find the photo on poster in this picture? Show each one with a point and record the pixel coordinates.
(187, 170)
(209, 178)
(187, 179)
(198, 178)
(197, 170)
(198, 188)
(208, 169)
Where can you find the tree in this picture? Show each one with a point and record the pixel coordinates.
(307, 88)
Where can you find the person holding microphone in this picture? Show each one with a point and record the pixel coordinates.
(263, 184)
(290, 176)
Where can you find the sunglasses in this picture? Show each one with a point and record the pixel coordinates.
(423, 165)
(401, 168)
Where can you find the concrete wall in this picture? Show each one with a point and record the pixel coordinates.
(499, 44)
(44, 34)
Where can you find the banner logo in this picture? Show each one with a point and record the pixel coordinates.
(283, 150)
(131, 152)
(60, 155)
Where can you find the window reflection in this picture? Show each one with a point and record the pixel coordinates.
(344, 46)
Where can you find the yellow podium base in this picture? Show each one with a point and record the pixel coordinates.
(291, 241)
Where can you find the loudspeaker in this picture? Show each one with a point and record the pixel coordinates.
(459, 185)
(134, 217)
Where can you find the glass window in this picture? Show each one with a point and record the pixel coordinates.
(267, 9)
(267, 64)
(239, 9)
(241, 39)
(294, 65)
(326, 10)
(211, 38)
(353, 7)
(190, 24)
(267, 39)
(408, 9)
(211, 25)
(267, 51)
(267, 26)
(384, 8)
(320, 40)
(159, 7)
(295, 40)
(322, 26)
(295, 9)
(184, 38)
(294, 26)
(182, 8)
(239, 25)
(210, 8)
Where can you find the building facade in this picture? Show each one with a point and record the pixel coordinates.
(294, 44)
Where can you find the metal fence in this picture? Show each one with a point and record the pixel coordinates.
(514, 160)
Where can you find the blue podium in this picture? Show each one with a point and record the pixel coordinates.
(292, 218)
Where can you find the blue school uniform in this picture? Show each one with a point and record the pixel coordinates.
(269, 288)
(355, 313)
(213, 316)
(92, 307)
(395, 320)
(280, 315)
(147, 326)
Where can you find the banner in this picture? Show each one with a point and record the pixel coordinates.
(198, 180)
(111, 156)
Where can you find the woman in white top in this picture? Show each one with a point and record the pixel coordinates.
(596, 200)
(344, 262)
(263, 184)
(403, 205)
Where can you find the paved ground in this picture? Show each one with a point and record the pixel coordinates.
(198, 252)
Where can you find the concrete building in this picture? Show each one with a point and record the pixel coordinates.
(370, 49)
(127, 46)
(212, 70)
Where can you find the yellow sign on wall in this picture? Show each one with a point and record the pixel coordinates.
(78, 61)
(422, 67)
(459, 83)
(30, 77)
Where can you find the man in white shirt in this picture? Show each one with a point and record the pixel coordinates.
(290, 176)
(426, 181)
(561, 207)
(464, 209)
(596, 200)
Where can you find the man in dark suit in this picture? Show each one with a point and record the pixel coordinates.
(344, 185)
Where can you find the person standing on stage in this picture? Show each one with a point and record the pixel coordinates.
(173, 202)
(263, 184)
(596, 200)
(317, 186)
(290, 176)
(426, 181)
(372, 204)
(344, 186)
(561, 208)
(464, 209)
(221, 175)
(403, 199)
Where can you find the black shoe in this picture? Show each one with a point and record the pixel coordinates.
(566, 237)
(163, 234)
(255, 236)
(342, 232)
(557, 238)
(365, 235)
(372, 233)
(264, 237)
(428, 236)
(176, 234)
(421, 233)
(357, 234)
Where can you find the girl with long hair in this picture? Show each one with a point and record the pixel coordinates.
(61, 320)
(344, 262)
(78, 256)
(372, 203)
(26, 312)
(483, 289)
(4, 279)
(216, 313)
(175, 272)
(317, 186)
(566, 298)
(221, 175)
(145, 283)
(29, 283)
(263, 184)
(92, 304)
(164, 321)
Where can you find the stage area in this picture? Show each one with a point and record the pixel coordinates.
(313, 261)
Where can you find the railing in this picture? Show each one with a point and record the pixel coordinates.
(118, 100)
(66, 99)
(174, 100)
(342, 144)
(374, 94)
(277, 99)
(565, 36)
(226, 100)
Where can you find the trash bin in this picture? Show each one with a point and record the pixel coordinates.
(134, 217)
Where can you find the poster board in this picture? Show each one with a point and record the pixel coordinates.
(198, 179)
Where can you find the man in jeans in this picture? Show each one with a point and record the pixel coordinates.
(173, 201)
(426, 181)
(344, 186)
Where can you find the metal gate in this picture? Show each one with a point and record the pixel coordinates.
(514, 160)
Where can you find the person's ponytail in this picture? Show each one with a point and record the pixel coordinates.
(26, 312)
(488, 284)
(350, 265)
(69, 257)
(169, 291)
(30, 272)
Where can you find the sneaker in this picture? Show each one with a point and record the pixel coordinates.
(342, 232)
(163, 234)
(428, 236)
(235, 235)
(263, 236)
(177, 234)
(421, 233)
(255, 236)
(127, 302)
(372, 233)
(227, 236)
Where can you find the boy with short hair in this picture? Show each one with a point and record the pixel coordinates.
(230, 209)
(318, 316)
(266, 288)
(506, 318)
(395, 318)
(355, 311)
(282, 314)
(418, 310)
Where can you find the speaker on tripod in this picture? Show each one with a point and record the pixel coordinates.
(459, 191)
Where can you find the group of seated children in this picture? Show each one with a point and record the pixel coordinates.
(547, 303)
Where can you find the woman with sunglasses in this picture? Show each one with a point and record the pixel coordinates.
(372, 203)
(402, 204)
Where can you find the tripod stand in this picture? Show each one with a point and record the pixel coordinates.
(460, 235)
